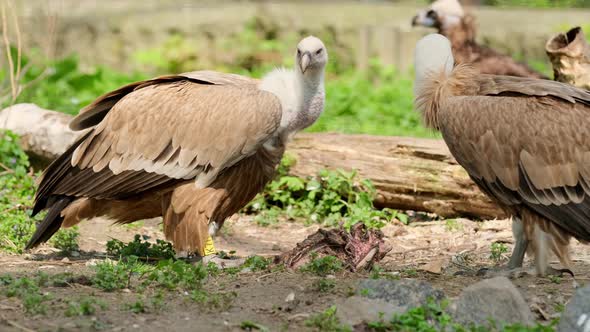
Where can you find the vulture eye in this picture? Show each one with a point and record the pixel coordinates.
(431, 13)
(318, 52)
(298, 52)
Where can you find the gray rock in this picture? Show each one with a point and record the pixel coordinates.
(576, 317)
(357, 309)
(497, 299)
(404, 294)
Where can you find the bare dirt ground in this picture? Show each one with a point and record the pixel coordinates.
(445, 253)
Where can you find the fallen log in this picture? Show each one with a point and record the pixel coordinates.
(408, 173)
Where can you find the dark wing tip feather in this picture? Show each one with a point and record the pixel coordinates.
(53, 174)
(50, 224)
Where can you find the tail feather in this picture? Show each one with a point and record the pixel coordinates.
(50, 224)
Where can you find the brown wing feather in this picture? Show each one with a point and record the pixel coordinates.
(508, 85)
(527, 150)
(190, 209)
(92, 114)
(155, 135)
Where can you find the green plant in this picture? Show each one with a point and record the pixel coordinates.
(172, 275)
(327, 321)
(213, 301)
(322, 266)
(17, 189)
(66, 239)
(324, 285)
(65, 87)
(142, 249)
(331, 198)
(411, 273)
(497, 251)
(137, 307)
(112, 275)
(433, 317)
(252, 326)
(257, 263)
(85, 306)
(555, 279)
(28, 290)
(452, 225)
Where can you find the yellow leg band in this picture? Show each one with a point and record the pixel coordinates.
(209, 247)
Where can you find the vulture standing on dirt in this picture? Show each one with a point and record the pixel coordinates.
(448, 17)
(193, 148)
(523, 141)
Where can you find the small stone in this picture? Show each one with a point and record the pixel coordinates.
(357, 309)
(497, 299)
(406, 293)
(126, 290)
(65, 259)
(91, 262)
(434, 266)
(75, 254)
(135, 326)
(576, 317)
(275, 247)
(290, 297)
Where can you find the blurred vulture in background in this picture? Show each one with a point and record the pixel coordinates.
(449, 18)
(193, 148)
(570, 56)
(523, 141)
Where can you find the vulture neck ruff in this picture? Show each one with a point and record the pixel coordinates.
(435, 77)
(433, 55)
(301, 96)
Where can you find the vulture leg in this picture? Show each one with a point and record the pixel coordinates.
(520, 246)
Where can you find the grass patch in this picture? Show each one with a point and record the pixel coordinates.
(322, 266)
(141, 248)
(327, 321)
(257, 263)
(17, 190)
(331, 198)
(497, 251)
(85, 306)
(28, 290)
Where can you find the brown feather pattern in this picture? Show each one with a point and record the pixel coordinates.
(187, 147)
(522, 141)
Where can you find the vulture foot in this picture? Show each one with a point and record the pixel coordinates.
(505, 271)
(223, 263)
(519, 272)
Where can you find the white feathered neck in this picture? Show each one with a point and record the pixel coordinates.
(301, 96)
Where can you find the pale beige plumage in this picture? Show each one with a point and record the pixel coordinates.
(193, 148)
(520, 139)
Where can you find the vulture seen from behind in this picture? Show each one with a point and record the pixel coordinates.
(448, 17)
(523, 141)
(193, 148)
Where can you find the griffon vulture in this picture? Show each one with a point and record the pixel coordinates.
(448, 17)
(193, 148)
(522, 140)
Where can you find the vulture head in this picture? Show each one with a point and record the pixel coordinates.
(441, 14)
(433, 54)
(311, 57)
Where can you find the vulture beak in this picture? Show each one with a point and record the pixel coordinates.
(304, 61)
